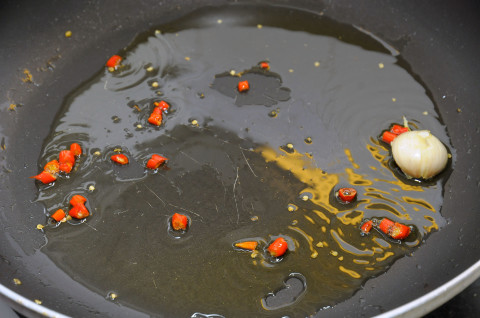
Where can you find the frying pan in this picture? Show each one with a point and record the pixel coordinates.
(438, 39)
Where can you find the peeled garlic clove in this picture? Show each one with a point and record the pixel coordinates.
(419, 154)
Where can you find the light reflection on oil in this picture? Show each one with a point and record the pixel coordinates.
(335, 225)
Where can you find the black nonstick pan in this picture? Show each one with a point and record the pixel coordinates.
(435, 42)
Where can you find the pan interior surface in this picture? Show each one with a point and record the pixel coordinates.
(232, 170)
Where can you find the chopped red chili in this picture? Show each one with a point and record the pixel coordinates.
(156, 117)
(45, 177)
(248, 245)
(76, 149)
(114, 61)
(397, 129)
(66, 167)
(243, 86)
(155, 161)
(77, 199)
(278, 247)
(347, 195)
(400, 231)
(120, 159)
(265, 65)
(366, 227)
(79, 211)
(52, 167)
(163, 105)
(66, 160)
(388, 136)
(385, 225)
(58, 215)
(395, 230)
(179, 222)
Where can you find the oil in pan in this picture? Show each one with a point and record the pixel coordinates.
(251, 165)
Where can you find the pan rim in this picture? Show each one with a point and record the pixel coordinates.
(437, 297)
(415, 308)
(26, 304)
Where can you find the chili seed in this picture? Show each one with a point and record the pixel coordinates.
(112, 295)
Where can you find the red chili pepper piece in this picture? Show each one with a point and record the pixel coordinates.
(76, 149)
(156, 161)
(248, 245)
(66, 167)
(395, 230)
(120, 159)
(157, 110)
(265, 65)
(114, 61)
(52, 167)
(67, 160)
(77, 199)
(45, 177)
(179, 222)
(58, 215)
(367, 226)
(385, 225)
(347, 195)
(79, 211)
(163, 105)
(156, 117)
(278, 247)
(66, 156)
(399, 231)
(397, 129)
(388, 136)
(243, 86)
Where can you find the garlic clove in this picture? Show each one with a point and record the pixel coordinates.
(419, 154)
